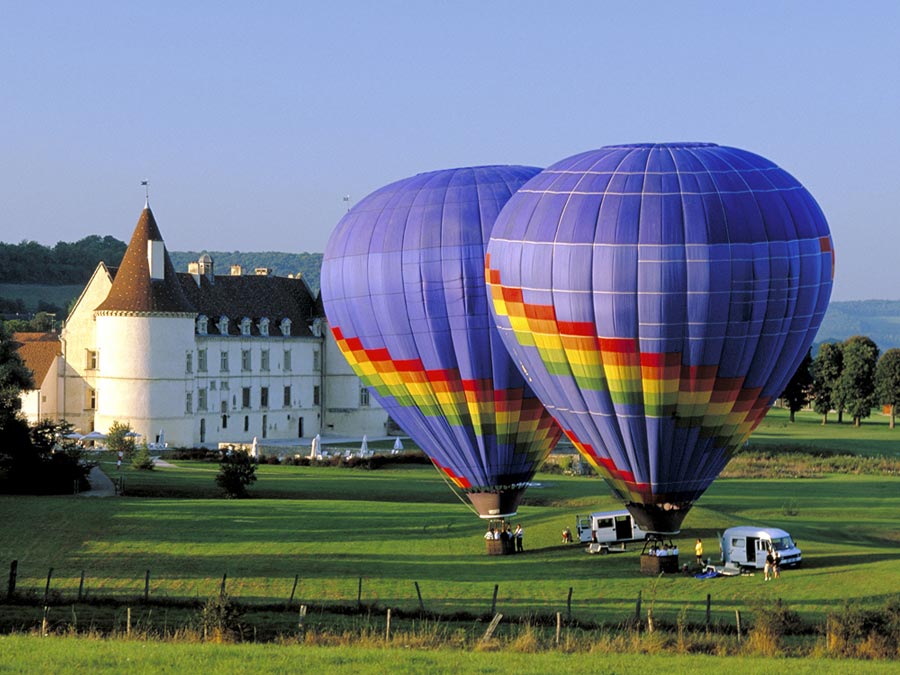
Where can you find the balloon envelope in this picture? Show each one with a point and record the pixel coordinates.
(660, 296)
(403, 288)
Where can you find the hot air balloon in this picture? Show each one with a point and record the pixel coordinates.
(658, 297)
(404, 292)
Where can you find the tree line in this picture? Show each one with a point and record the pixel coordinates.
(65, 263)
(849, 377)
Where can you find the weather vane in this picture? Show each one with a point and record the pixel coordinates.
(347, 201)
(146, 185)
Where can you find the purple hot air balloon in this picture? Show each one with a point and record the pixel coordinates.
(403, 288)
(659, 297)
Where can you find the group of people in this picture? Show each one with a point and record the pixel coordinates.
(772, 569)
(664, 550)
(513, 540)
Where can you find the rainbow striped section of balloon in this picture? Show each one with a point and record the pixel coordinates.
(649, 301)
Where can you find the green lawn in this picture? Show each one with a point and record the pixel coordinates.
(56, 655)
(332, 527)
(873, 437)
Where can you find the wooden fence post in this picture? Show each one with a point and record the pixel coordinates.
(11, 586)
(569, 605)
(222, 589)
(419, 593)
(637, 609)
(558, 627)
(45, 622)
(387, 630)
(81, 586)
(293, 590)
(494, 601)
(47, 587)
(147, 586)
(491, 627)
(302, 616)
(359, 594)
(708, 611)
(128, 622)
(737, 618)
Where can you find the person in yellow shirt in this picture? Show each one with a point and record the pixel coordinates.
(698, 551)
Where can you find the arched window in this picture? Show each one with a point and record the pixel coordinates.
(223, 325)
(245, 326)
(264, 326)
(285, 326)
(202, 322)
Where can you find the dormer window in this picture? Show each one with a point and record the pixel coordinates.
(264, 326)
(245, 326)
(202, 322)
(223, 325)
(286, 327)
(317, 327)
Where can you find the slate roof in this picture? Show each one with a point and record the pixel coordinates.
(254, 297)
(38, 350)
(133, 290)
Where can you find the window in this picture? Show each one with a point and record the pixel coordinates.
(264, 326)
(285, 327)
(246, 423)
(245, 360)
(264, 360)
(201, 360)
(317, 361)
(202, 323)
(364, 397)
(92, 360)
(90, 399)
(189, 403)
(223, 362)
(223, 325)
(245, 397)
(263, 397)
(212, 385)
(189, 362)
(316, 395)
(245, 326)
(224, 408)
(201, 399)
(223, 385)
(287, 360)
(287, 397)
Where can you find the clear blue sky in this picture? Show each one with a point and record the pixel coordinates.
(253, 120)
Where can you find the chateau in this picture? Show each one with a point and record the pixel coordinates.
(200, 357)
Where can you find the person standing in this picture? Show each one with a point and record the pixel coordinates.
(769, 569)
(520, 534)
(698, 551)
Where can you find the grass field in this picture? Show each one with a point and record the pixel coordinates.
(343, 531)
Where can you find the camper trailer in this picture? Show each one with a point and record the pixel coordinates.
(599, 530)
(747, 546)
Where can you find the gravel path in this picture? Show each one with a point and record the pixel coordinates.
(101, 485)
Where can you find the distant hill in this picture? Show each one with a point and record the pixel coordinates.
(877, 319)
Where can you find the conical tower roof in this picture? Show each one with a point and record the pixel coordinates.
(133, 290)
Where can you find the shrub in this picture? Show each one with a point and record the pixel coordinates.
(142, 459)
(236, 472)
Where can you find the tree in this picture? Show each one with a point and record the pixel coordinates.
(797, 391)
(826, 371)
(236, 472)
(14, 378)
(856, 385)
(119, 438)
(142, 459)
(887, 380)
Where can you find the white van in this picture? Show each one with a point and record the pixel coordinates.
(747, 546)
(608, 527)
